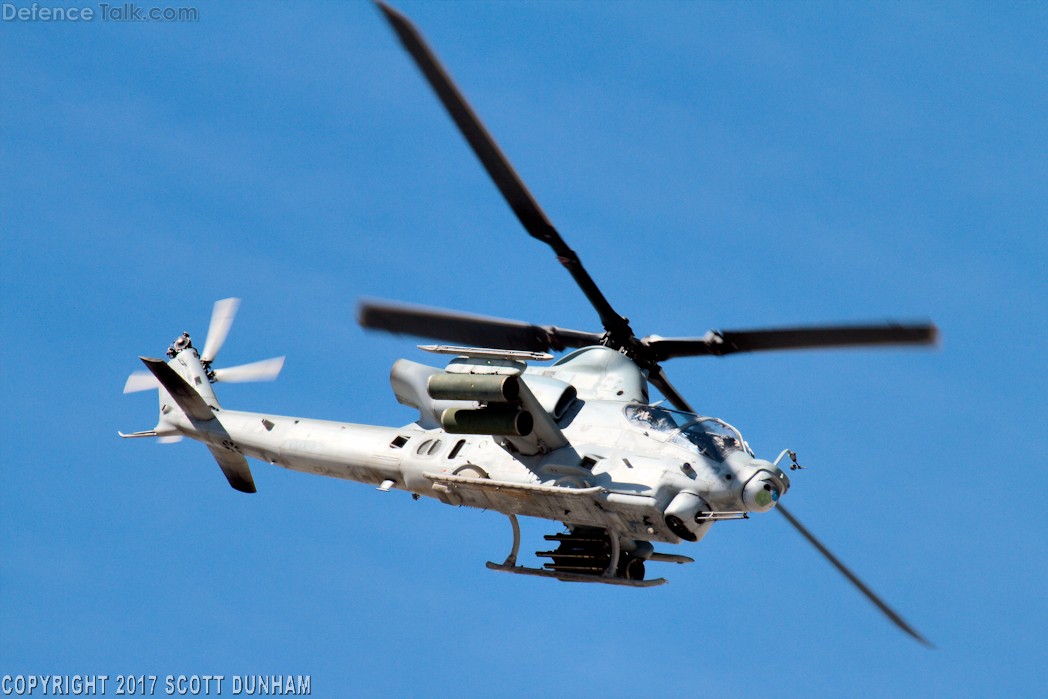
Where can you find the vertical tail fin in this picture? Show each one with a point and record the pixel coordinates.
(233, 464)
(184, 395)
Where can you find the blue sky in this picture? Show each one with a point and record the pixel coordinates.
(715, 165)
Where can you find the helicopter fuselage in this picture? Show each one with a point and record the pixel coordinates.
(639, 471)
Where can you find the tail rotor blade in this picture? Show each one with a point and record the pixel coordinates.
(140, 381)
(853, 579)
(265, 370)
(221, 319)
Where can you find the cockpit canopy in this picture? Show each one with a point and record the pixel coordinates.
(714, 438)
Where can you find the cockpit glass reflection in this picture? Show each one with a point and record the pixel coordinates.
(658, 419)
(712, 437)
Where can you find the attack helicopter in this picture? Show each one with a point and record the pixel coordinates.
(576, 441)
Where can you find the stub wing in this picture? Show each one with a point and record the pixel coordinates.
(576, 505)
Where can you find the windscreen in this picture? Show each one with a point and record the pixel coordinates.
(713, 438)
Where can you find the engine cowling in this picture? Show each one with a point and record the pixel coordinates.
(409, 380)
(555, 396)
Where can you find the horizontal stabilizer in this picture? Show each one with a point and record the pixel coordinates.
(235, 466)
(187, 398)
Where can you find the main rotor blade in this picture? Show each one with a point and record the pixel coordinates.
(265, 370)
(501, 171)
(853, 579)
(468, 329)
(731, 341)
(657, 377)
(221, 319)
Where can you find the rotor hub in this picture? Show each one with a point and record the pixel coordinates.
(183, 342)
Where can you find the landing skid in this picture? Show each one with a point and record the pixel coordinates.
(608, 577)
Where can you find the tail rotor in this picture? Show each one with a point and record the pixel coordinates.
(222, 317)
(221, 320)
